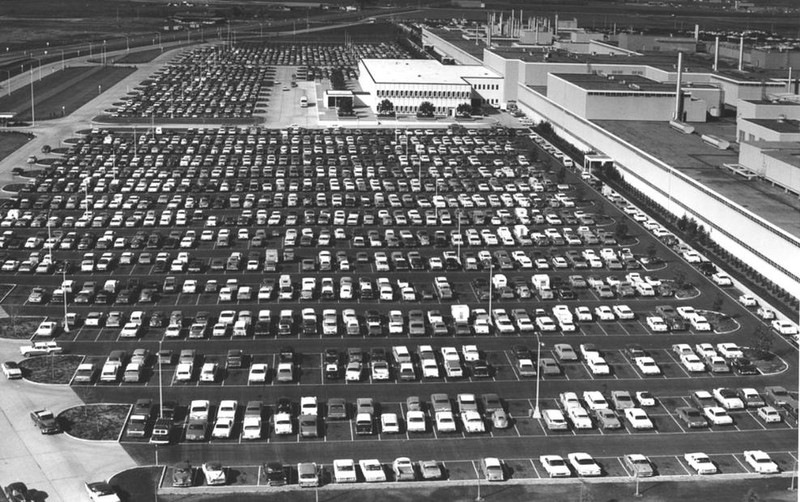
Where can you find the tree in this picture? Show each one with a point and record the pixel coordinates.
(716, 306)
(683, 222)
(345, 107)
(464, 110)
(751, 496)
(562, 175)
(651, 252)
(337, 80)
(762, 340)
(426, 109)
(679, 278)
(386, 107)
(622, 230)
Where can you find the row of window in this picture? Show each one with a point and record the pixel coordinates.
(486, 87)
(424, 94)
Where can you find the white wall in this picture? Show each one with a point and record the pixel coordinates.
(766, 247)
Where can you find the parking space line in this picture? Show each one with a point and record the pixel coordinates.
(684, 467)
(535, 469)
(669, 353)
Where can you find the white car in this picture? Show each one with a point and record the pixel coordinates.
(657, 324)
(308, 405)
(623, 312)
(647, 365)
(705, 350)
(415, 421)
(761, 462)
(214, 473)
(389, 423)
(555, 466)
(729, 350)
(344, 470)
(604, 313)
(717, 415)
(722, 279)
(353, 372)
(372, 470)
(638, 418)
(728, 398)
(282, 422)
(692, 256)
(445, 421)
(198, 409)
(472, 422)
(189, 286)
(769, 415)
(748, 300)
(470, 353)
(569, 400)
(645, 399)
(692, 363)
(227, 409)
(222, 428)
(584, 464)
(594, 400)
(784, 327)
(598, 365)
(258, 373)
(98, 492)
(583, 314)
(700, 463)
(579, 418)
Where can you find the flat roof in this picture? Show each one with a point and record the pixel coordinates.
(767, 102)
(456, 37)
(423, 71)
(663, 61)
(780, 126)
(693, 158)
(627, 83)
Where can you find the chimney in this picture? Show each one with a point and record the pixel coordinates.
(678, 93)
(741, 51)
(716, 54)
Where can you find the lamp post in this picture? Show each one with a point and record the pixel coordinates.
(537, 413)
(64, 295)
(490, 287)
(33, 111)
(62, 59)
(39, 59)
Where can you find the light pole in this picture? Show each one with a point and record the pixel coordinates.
(64, 295)
(490, 287)
(537, 414)
(127, 44)
(62, 59)
(39, 59)
(33, 111)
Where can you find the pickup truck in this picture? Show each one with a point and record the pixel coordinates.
(40, 349)
(45, 421)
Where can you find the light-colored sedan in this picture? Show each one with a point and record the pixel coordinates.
(717, 415)
(555, 466)
(657, 324)
(445, 421)
(604, 313)
(344, 470)
(492, 468)
(584, 464)
(769, 415)
(258, 373)
(638, 465)
(624, 312)
(647, 365)
(700, 463)
(638, 418)
(761, 462)
(692, 363)
(372, 470)
(785, 327)
(390, 423)
(598, 365)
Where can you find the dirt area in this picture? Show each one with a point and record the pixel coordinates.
(766, 362)
(18, 328)
(99, 422)
(50, 369)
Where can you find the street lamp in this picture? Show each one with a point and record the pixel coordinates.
(537, 414)
(62, 59)
(33, 111)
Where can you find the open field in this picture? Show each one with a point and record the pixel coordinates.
(10, 141)
(63, 91)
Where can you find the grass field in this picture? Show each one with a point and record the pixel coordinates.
(11, 141)
(19, 328)
(98, 422)
(50, 369)
(139, 57)
(65, 90)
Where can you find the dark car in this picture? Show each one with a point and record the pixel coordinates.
(45, 421)
(337, 409)
(691, 416)
(182, 474)
(744, 366)
(277, 474)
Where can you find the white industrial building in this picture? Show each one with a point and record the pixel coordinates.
(409, 82)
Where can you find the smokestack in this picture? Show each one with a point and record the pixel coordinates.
(789, 81)
(696, 32)
(511, 26)
(678, 93)
(501, 24)
(555, 26)
(716, 54)
(741, 51)
(488, 30)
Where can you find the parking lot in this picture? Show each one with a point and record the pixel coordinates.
(383, 264)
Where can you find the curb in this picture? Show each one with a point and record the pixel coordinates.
(108, 441)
